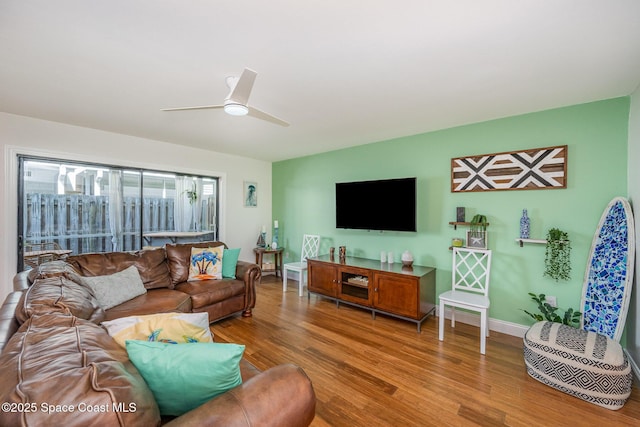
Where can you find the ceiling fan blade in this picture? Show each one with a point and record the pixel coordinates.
(241, 91)
(202, 107)
(254, 112)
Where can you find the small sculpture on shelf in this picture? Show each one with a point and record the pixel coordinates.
(407, 259)
(262, 238)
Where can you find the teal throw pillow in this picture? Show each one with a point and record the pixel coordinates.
(229, 263)
(184, 376)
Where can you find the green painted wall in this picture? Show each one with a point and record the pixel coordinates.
(596, 134)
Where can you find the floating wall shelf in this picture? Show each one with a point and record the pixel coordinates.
(456, 224)
(536, 241)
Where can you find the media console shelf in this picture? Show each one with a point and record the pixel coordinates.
(407, 293)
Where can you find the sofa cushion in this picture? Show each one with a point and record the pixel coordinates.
(184, 376)
(207, 292)
(160, 300)
(206, 263)
(59, 294)
(114, 289)
(178, 256)
(173, 328)
(230, 263)
(151, 265)
(55, 360)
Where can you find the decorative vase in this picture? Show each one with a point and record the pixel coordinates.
(524, 225)
(407, 259)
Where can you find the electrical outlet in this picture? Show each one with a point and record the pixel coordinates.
(551, 300)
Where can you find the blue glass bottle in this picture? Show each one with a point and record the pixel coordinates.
(524, 225)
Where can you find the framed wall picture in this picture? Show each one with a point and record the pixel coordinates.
(250, 194)
(477, 239)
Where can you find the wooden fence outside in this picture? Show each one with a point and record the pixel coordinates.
(81, 223)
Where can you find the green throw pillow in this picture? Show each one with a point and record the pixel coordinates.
(230, 260)
(184, 376)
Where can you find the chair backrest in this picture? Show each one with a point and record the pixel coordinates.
(471, 270)
(310, 246)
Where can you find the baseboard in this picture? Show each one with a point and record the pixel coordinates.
(501, 326)
(634, 365)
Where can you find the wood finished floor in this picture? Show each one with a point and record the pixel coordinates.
(381, 372)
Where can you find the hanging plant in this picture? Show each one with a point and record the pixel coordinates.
(478, 225)
(557, 257)
(192, 195)
(571, 317)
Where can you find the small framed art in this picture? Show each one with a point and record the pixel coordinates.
(477, 239)
(250, 194)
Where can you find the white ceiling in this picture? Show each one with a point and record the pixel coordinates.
(343, 73)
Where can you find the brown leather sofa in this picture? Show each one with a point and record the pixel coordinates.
(164, 272)
(59, 367)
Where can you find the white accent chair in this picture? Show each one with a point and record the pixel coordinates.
(310, 248)
(470, 289)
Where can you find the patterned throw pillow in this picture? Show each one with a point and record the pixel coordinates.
(173, 328)
(206, 263)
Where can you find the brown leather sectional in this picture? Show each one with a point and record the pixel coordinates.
(54, 353)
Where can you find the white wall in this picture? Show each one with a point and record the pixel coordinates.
(633, 328)
(239, 226)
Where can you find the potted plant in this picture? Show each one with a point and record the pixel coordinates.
(477, 235)
(571, 317)
(478, 224)
(557, 257)
(192, 195)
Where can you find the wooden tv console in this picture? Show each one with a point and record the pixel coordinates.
(408, 293)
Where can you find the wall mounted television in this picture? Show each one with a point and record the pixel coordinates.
(385, 205)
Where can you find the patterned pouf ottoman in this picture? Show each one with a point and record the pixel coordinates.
(586, 365)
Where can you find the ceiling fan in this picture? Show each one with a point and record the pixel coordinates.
(236, 102)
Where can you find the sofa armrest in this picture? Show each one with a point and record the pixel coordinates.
(250, 274)
(280, 396)
(21, 281)
(8, 322)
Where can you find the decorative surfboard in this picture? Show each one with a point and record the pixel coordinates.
(609, 275)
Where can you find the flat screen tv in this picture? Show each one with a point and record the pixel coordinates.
(386, 205)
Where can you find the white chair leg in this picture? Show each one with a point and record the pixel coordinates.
(441, 322)
(284, 280)
(300, 283)
(483, 331)
(453, 317)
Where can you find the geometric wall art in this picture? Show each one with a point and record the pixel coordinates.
(535, 169)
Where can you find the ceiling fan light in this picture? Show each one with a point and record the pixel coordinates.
(236, 109)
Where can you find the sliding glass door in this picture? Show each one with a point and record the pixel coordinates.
(70, 207)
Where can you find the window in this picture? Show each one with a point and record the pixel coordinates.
(84, 207)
